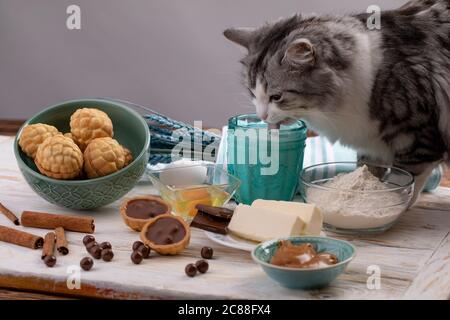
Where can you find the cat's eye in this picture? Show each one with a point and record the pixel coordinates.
(275, 98)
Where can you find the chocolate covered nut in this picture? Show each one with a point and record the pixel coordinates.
(207, 253)
(136, 257)
(144, 250)
(96, 252)
(107, 255)
(190, 270)
(202, 266)
(50, 261)
(86, 263)
(137, 244)
(90, 245)
(105, 245)
(88, 239)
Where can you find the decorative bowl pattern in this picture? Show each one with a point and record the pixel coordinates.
(296, 278)
(130, 130)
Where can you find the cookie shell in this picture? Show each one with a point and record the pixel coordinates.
(166, 249)
(138, 224)
(33, 135)
(60, 158)
(87, 124)
(102, 157)
(128, 156)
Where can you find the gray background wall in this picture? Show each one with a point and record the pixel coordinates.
(166, 54)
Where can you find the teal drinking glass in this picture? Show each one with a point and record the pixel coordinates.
(268, 162)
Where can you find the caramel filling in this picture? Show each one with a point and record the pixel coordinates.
(165, 231)
(301, 256)
(145, 209)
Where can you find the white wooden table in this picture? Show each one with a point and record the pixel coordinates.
(413, 257)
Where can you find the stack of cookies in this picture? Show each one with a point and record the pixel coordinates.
(88, 151)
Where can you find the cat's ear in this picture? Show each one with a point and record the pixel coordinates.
(241, 36)
(300, 52)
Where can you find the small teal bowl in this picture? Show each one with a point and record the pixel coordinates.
(130, 130)
(295, 278)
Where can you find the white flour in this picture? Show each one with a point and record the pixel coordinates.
(357, 210)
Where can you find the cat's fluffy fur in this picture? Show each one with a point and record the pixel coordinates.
(384, 92)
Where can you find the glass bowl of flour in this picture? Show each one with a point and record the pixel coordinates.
(357, 198)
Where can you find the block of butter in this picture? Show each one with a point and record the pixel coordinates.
(310, 215)
(262, 224)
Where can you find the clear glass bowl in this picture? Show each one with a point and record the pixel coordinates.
(350, 211)
(186, 186)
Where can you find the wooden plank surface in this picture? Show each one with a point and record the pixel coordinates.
(409, 256)
(10, 127)
(433, 280)
(23, 295)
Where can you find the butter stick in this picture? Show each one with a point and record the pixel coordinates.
(52, 221)
(310, 215)
(262, 224)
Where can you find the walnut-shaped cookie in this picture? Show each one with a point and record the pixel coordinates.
(103, 156)
(33, 135)
(87, 124)
(68, 135)
(60, 158)
(128, 156)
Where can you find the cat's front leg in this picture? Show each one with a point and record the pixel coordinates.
(421, 174)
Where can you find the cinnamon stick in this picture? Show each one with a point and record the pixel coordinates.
(52, 221)
(20, 238)
(11, 216)
(49, 245)
(61, 241)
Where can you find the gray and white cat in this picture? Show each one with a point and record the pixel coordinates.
(386, 92)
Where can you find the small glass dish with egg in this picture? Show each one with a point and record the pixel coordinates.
(185, 186)
(357, 198)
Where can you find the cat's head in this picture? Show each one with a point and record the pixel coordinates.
(292, 66)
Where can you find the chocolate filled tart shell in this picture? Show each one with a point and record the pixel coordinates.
(138, 211)
(166, 234)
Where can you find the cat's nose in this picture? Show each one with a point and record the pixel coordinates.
(264, 116)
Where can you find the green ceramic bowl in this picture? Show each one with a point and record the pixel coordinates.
(130, 130)
(295, 278)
